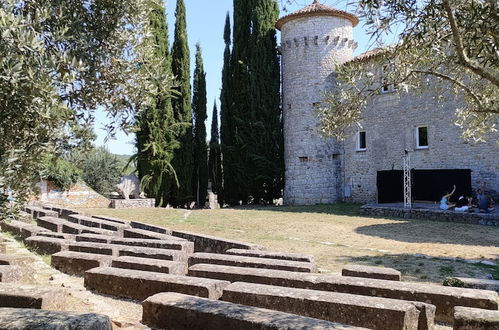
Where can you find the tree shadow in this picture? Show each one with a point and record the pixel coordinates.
(420, 268)
(421, 231)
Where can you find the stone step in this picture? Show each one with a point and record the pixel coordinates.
(46, 245)
(10, 273)
(77, 263)
(13, 227)
(151, 265)
(31, 230)
(444, 298)
(212, 244)
(271, 255)
(96, 223)
(241, 261)
(29, 296)
(129, 251)
(478, 283)
(163, 310)
(62, 212)
(148, 227)
(15, 259)
(38, 212)
(380, 273)
(51, 223)
(95, 248)
(370, 312)
(146, 234)
(136, 284)
(94, 238)
(23, 318)
(466, 318)
(68, 237)
(111, 219)
(77, 229)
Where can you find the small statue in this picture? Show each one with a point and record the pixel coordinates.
(130, 185)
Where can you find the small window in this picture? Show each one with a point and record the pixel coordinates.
(422, 137)
(385, 86)
(289, 106)
(361, 141)
(303, 159)
(316, 104)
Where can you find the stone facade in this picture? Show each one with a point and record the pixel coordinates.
(319, 170)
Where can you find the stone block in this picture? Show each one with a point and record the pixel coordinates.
(240, 261)
(31, 230)
(111, 219)
(97, 223)
(478, 283)
(37, 212)
(51, 223)
(94, 238)
(77, 263)
(174, 244)
(466, 318)
(145, 234)
(68, 237)
(29, 296)
(151, 253)
(212, 244)
(171, 310)
(76, 229)
(10, 273)
(62, 212)
(15, 260)
(13, 227)
(133, 203)
(145, 226)
(443, 298)
(151, 265)
(380, 273)
(370, 312)
(88, 247)
(136, 284)
(22, 318)
(46, 245)
(271, 255)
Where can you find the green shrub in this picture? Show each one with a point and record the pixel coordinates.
(62, 172)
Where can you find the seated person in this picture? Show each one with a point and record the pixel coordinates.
(444, 202)
(485, 204)
(464, 204)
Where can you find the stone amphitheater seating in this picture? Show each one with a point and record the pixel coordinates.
(444, 298)
(145, 234)
(137, 284)
(10, 273)
(212, 244)
(46, 245)
(51, 223)
(30, 296)
(163, 310)
(271, 255)
(241, 261)
(151, 265)
(466, 318)
(380, 273)
(77, 263)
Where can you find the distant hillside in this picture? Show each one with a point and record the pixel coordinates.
(123, 161)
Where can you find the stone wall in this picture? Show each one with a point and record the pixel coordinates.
(390, 123)
(79, 195)
(311, 47)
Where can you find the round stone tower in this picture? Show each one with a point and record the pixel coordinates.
(313, 40)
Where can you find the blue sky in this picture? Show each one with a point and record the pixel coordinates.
(205, 24)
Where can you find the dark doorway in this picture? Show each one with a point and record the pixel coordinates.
(431, 185)
(427, 185)
(390, 186)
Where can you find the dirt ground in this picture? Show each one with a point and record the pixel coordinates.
(424, 251)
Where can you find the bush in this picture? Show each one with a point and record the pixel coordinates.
(62, 172)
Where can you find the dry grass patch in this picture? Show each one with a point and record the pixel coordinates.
(336, 235)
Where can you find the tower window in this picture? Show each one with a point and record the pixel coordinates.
(422, 137)
(361, 141)
(303, 159)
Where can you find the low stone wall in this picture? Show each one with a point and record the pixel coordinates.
(133, 203)
(432, 215)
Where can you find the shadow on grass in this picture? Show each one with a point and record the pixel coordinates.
(420, 231)
(427, 269)
(346, 209)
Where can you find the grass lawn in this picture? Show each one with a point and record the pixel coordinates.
(337, 235)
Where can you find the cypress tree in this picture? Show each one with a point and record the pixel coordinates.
(215, 157)
(181, 193)
(200, 174)
(156, 138)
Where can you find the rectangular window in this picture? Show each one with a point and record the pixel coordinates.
(385, 86)
(303, 159)
(422, 137)
(361, 141)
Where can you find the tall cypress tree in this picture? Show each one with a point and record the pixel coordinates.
(215, 157)
(200, 173)
(183, 157)
(156, 138)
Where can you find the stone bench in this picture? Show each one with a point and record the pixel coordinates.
(151, 253)
(46, 245)
(23, 318)
(95, 248)
(212, 244)
(68, 237)
(163, 310)
(31, 230)
(175, 244)
(466, 318)
(29, 296)
(370, 312)
(13, 227)
(478, 283)
(271, 255)
(51, 223)
(62, 212)
(151, 265)
(96, 223)
(111, 219)
(444, 298)
(136, 284)
(15, 260)
(10, 273)
(145, 226)
(38, 212)
(77, 229)
(145, 234)
(380, 273)
(94, 238)
(240, 261)
(77, 263)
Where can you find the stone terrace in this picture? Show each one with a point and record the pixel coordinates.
(182, 278)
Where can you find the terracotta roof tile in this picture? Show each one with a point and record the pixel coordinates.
(317, 9)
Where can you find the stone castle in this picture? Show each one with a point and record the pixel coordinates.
(363, 167)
